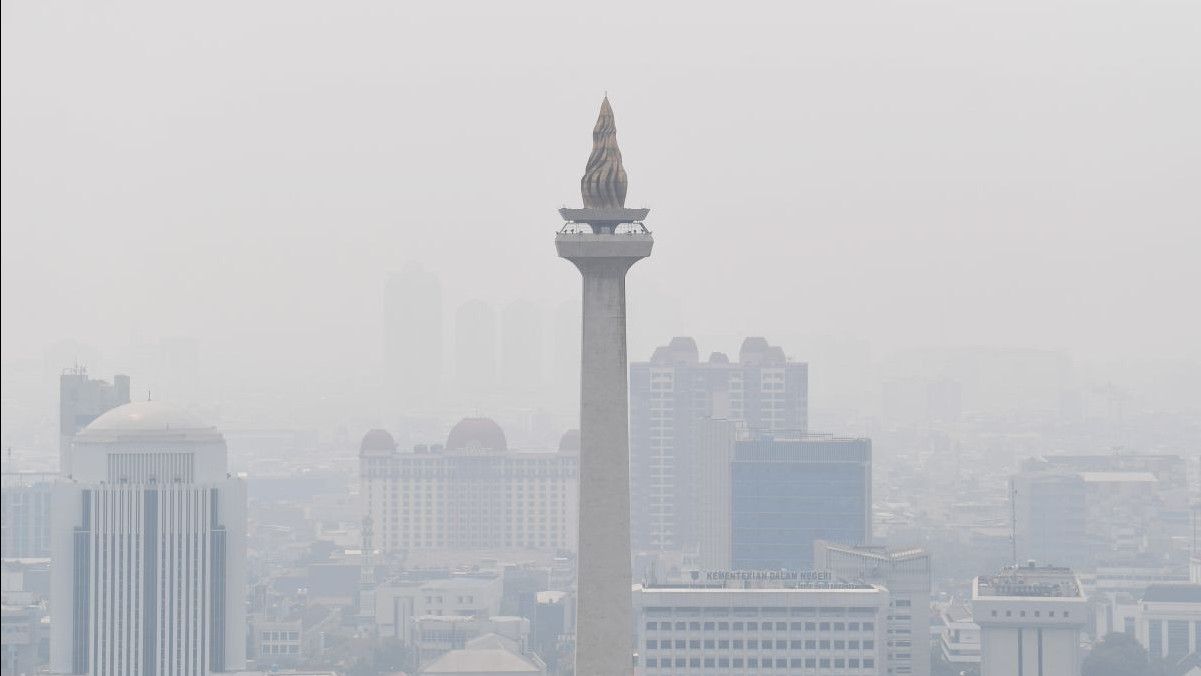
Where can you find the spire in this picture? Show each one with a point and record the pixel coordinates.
(604, 183)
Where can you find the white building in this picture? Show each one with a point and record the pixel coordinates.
(1169, 620)
(959, 635)
(1030, 620)
(399, 603)
(473, 493)
(785, 628)
(905, 573)
(148, 541)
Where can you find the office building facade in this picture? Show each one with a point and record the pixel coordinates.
(906, 574)
(739, 627)
(148, 542)
(669, 395)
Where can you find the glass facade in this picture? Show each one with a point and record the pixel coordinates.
(786, 494)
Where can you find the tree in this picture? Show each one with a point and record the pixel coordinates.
(1118, 654)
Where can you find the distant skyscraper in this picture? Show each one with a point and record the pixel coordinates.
(521, 349)
(1050, 511)
(670, 394)
(907, 576)
(603, 240)
(412, 338)
(563, 380)
(26, 497)
(1030, 620)
(80, 401)
(475, 352)
(148, 542)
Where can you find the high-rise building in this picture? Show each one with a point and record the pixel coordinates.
(669, 395)
(1030, 619)
(743, 627)
(473, 493)
(475, 351)
(80, 401)
(906, 574)
(25, 529)
(604, 239)
(412, 338)
(761, 500)
(1049, 512)
(148, 542)
(521, 349)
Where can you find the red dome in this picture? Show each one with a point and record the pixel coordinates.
(377, 441)
(476, 434)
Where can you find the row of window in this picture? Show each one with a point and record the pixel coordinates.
(764, 663)
(761, 626)
(755, 644)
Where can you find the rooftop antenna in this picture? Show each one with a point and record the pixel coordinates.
(148, 394)
(1013, 519)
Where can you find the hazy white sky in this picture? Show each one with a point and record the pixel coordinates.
(918, 173)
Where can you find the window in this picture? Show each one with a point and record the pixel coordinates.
(652, 644)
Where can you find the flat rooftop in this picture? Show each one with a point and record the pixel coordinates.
(1030, 581)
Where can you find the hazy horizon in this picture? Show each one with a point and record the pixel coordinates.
(930, 175)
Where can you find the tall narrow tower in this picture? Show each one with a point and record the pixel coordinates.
(603, 240)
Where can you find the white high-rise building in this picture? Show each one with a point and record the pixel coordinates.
(1030, 620)
(148, 542)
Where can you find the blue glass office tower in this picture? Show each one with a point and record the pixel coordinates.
(785, 493)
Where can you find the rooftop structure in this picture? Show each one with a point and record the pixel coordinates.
(1030, 620)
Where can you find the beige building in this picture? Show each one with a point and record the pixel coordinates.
(471, 494)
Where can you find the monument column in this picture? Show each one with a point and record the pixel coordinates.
(603, 240)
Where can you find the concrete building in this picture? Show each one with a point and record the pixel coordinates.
(148, 542)
(475, 352)
(670, 395)
(412, 338)
(472, 493)
(604, 239)
(1050, 510)
(906, 574)
(436, 635)
(1030, 619)
(1169, 621)
(958, 636)
(399, 603)
(522, 352)
(743, 627)
(80, 401)
(488, 655)
(25, 514)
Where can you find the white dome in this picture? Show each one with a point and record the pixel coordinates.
(145, 416)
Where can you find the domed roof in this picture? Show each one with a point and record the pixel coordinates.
(476, 434)
(145, 416)
(377, 441)
(570, 441)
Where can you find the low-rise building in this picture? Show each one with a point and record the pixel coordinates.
(959, 635)
(721, 626)
(1169, 620)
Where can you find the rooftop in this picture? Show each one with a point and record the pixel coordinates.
(1030, 581)
(1173, 593)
